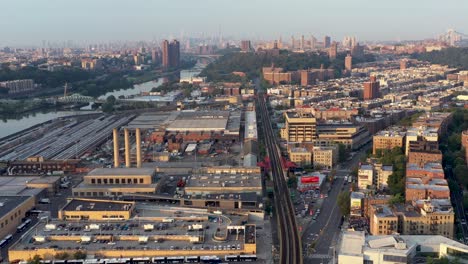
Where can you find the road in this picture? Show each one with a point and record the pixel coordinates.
(288, 234)
(327, 223)
(457, 200)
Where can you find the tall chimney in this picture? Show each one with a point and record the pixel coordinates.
(127, 148)
(138, 141)
(138, 147)
(116, 148)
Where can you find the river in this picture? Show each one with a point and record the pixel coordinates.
(10, 126)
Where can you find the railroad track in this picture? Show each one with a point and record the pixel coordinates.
(290, 244)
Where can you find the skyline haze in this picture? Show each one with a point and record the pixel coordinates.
(28, 22)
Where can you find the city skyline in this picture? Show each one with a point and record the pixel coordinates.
(30, 22)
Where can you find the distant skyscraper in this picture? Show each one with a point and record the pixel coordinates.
(275, 45)
(293, 44)
(326, 42)
(348, 63)
(371, 89)
(349, 42)
(302, 42)
(170, 54)
(154, 56)
(333, 50)
(313, 42)
(246, 46)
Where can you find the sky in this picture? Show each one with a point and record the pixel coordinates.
(28, 22)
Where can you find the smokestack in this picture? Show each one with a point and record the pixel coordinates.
(138, 147)
(127, 148)
(116, 148)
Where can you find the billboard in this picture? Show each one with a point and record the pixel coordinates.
(310, 179)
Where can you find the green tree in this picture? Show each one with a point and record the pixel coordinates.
(36, 259)
(344, 200)
(79, 254)
(62, 255)
(442, 260)
(396, 199)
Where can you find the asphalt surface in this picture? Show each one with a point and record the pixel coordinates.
(457, 201)
(328, 221)
(289, 239)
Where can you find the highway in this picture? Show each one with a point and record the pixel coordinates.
(288, 234)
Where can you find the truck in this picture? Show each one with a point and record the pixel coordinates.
(44, 201)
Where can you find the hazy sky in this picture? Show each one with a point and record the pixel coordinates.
(28, 22)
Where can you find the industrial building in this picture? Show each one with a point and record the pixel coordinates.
(114, 182)
(79, 209)
(212, 183)
(12, 211)
(178, 233)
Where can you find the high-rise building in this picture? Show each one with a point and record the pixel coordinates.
(302, 42)
(246, 46)
(313, 42)
(326, 42)
(371, 89)
(138, 59)
(348, 62)
(293, 44)
(332, 52)
(170, 54)
(299, 127)
(349, 42)
(155, 57)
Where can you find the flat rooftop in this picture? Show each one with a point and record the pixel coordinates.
(121, 171)
(224, 180)
(352, 243)
(132, 235)
(17, 186)
(299, 115)
(96, 205)
(8, 203)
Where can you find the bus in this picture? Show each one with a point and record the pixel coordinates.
(175, 259)
(159, 260)
(8, 238)
(23, 226)
(210, 259)
(248, 258)
(3, 243)
(232, 258)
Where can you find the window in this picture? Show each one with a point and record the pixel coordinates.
(99, 181)
(93, 181)
(397, 259)
(141, 180)
(117, 181)
(111, 181)
(368, 261)
(135, 180)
